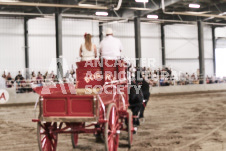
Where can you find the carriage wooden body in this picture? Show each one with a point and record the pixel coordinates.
(98, 104)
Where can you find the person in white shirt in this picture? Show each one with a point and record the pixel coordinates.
(88, 51)
(110, 47)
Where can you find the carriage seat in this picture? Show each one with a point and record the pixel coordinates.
(94, 73)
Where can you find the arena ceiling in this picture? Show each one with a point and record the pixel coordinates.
(213, 11)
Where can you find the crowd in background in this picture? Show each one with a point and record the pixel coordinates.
(158, 77)
(165, 77)
(23, 84)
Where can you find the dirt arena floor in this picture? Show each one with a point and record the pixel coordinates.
(190, 122)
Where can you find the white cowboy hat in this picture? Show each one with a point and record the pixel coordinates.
(109, 31)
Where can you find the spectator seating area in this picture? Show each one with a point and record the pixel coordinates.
(158, 77)
(165, 77)
(23, 85)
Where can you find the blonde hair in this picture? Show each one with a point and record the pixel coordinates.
(88, 42)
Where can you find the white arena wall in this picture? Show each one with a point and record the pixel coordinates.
(220, 34)
(181, 46)
(11, 45)
(180, 39)
(42, 44)
(151, 43)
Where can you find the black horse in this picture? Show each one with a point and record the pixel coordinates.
(145, 87)
(138, 96)
(135, 101)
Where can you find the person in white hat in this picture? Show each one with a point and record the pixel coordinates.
(110, 47)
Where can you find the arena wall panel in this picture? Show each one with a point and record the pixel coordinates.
(209, 67)
(151, 43)
(12, 45)
(181, 46)
(181, 41)
(220, 32)
(208, 50)
(42, 44)
(183, 66)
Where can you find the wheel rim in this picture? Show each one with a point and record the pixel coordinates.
(112, 130)
(111, 127)
(47, 140)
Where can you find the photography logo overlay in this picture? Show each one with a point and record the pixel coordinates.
(4, 96)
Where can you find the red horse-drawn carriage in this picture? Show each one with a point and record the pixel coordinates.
(98, 104)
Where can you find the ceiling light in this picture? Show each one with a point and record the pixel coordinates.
(102, 13)
(153, 16)
(194, 5)
(142, 1)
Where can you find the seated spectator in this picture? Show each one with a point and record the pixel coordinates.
(168, 70)
(46, 76)
(39, 72)
(4, 75)
(207, 79)
(172, 80)
(54, 78)
(215, 80)
(23, 85)
(33, 73)
(18, 77)
(33, 77)
(162, 80)
(9, 82)
(155, 79)
(49, 77)
(39, 79)
(182, 79)
(187, 78)
(211, 80)
(8, 77)
(193, 78)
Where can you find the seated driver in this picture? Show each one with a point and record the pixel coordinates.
(110, 47)
(88, 50)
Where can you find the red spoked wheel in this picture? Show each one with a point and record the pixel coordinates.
(130, 128)
(111, 136)
(47, 138)
(74, 139)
